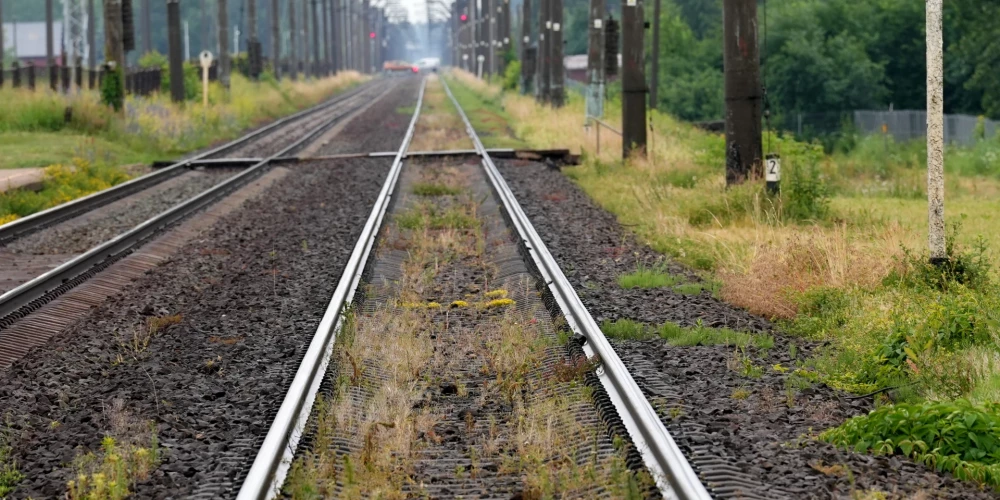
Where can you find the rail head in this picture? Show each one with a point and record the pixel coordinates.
(275, 455)
(674, 476)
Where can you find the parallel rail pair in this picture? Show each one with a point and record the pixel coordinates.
(674, 476)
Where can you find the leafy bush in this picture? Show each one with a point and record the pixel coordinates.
(512, 75)
(113, 89)
(804, 196)
(969, 268)
(957, 437)
(61, 184)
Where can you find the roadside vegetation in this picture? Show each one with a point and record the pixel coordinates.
(838, 258)
(86, 145)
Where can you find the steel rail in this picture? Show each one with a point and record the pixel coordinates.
(671, 470)
(275, 456)
(39, 220)
(37, 291)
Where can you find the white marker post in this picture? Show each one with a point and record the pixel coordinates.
(206, 62)
(480, 60)
(935, 132)
(772, 173)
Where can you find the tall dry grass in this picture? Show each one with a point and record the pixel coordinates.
(761, 262)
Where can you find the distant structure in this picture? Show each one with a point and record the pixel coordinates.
(27, 41)
(576, 67)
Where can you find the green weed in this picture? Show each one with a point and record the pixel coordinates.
(429, 189)
(626, 329)
(958, 437)
(9, 473)
(647, 277)
(702, 335)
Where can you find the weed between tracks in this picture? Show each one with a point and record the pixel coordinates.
(439, 127)
(456, 396)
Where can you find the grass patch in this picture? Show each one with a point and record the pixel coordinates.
(626, 329)
(429, 189)
(648, 277)
(703, 335)
(60, 184)
(430, 217)
(485, 110)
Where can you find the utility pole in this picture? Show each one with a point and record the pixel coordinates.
(655, 77)
(253, 43)
(223, 22)
(147, 32)
(275, 39)
(293, 43)
(528, 53)
(741, 59)
(205, 39)
(50, 48)
(2, 53)
(633, 81)
(491, 22)
(505, 44)
(327, 45)
(556, 67)
(114, 52)
(935, 133)
(595, 61)
(91, 36)
(176, 58)
(315, 37)
(304, 39)
(366, 46)
(544, 55)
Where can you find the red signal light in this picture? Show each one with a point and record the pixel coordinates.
(464, 18)
(371, 35)
(415, 69)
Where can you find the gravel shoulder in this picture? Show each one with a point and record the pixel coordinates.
(762, 435)
(249, 296)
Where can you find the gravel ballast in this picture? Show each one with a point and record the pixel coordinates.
(250, 295)
(765, 434)
(381, 128)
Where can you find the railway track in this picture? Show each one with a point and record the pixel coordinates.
(443, 314)
(50, 253)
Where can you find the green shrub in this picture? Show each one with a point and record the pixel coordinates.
(804, 194)
(969, 268)
(957, 437)
(113, 89)
(512, 75)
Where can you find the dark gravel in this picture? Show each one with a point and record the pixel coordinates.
(82, 233)
(381, 127)
(280, 138)
(765, 435)
(250, 294)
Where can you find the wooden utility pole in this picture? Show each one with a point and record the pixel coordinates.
(595, 60)
(544, 57)
(633, 81)
(114, 53)
(654, 79)
(147, 31)
(935, 133)
(275, 39)
(557, 90)
(91, 36)
(223, 43)
(317, 61)
(528, 53)
(293, 42)
(175, 48)
(744, 152)
(327, 32)
(253, 41)
(50, 57)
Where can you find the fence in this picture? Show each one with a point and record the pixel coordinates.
(902, 125)
(137, 80)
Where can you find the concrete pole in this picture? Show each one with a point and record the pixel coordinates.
(327, 43)
(654, 79)
(558, 89)
(633, 81)
(50, 47)
(595, 60)
(304, 39)
(114, 50)
(2, 53)
(293, 42)
(935, 132)
(223, 22)
(254, 55)
(275, 39)
(744, 152)
(174, 51)
(366, 46)
(491, 26)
